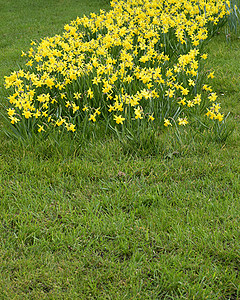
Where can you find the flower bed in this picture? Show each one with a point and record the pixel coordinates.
(139, 64)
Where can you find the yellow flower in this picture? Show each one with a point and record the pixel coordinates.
(71, 127)
(167, 122)
(212, 97)
(14, 120)
(11, 112)
(29, 63)
(182, 101)
(191, 82)
(170, 93)
(207, 88)
(95, 80)
(92, 117)
(77, 96)
(190, 103)
(75, 107)
(182, 121)
(53, 101)
(27, 114)
(37, 114)
(216, 107)
(184, 91)
(138, 113)
(208, 113)
(151, 118)
(97, 111)
(197, 99)
(211, 75)
(40, 128)
(45, 106)
(49, 82)
(119, 119)
(60, 122)
(68, 104)
(219, 117)
(85, 108)
(90, 93)
(118, 106)
(111, 108)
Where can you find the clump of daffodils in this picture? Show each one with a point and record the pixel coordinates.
(139, 62)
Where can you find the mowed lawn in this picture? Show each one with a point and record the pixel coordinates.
(104, 219)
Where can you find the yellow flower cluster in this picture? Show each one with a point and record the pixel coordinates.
(213, 112)
(139, 61)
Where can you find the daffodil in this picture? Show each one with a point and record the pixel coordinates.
(151, 118)
(182, 121)
(167, 123)
(123, 67)
(40, 128)
(119, 119)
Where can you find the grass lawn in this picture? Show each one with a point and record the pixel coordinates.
(103, 221)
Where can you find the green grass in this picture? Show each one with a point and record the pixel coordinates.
(100, 220)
